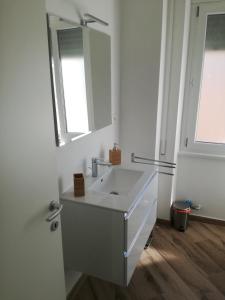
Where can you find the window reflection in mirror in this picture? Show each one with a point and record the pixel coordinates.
(81, 79)
(71, 55)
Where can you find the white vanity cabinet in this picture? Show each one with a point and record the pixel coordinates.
(107, 242)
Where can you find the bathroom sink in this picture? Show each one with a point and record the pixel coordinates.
(116, 188)
(117, 182)
(117, 214)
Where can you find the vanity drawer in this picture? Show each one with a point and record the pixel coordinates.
(133, 256)
(137, 215)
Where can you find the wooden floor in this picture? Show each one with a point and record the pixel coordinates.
(178, 265)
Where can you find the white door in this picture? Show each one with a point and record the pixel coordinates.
(31, 261)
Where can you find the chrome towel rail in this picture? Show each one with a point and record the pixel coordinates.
(154, 162)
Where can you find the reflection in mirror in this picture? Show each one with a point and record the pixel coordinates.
(70, 42)
(81, 79)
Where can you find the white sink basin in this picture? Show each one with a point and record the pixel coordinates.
(117, 181)
(117, 226)
(116, 188)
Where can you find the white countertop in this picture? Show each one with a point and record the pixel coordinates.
(120, 203)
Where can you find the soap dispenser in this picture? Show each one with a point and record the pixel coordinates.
(115, 155)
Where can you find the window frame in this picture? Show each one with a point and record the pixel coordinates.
(197, 35)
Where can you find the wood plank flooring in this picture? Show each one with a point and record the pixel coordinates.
(177, 266)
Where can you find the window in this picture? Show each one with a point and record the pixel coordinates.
(204, 120)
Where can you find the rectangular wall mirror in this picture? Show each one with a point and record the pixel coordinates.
(80, 59)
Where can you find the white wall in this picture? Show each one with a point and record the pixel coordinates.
(201, 179)
(141, 26)
(76, 156)
(141, 23)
